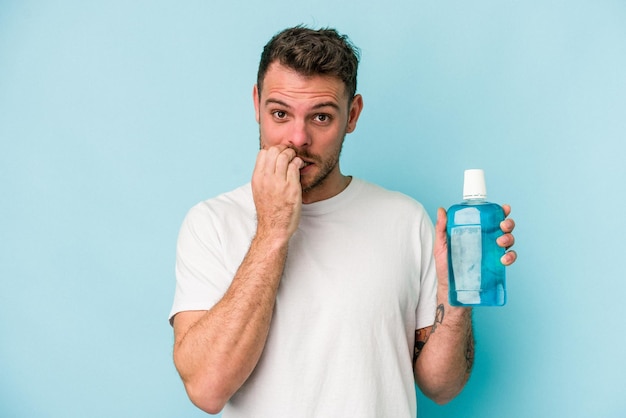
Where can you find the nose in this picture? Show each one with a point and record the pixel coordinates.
(299, 135)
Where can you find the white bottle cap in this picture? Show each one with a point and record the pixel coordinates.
(474, 184)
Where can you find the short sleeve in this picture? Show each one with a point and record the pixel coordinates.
(427, 303)
(202, 276)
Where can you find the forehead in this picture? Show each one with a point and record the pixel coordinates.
(283, 81)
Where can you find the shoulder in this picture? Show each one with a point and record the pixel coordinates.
(234, 201)
(391, 199)
(237, 203)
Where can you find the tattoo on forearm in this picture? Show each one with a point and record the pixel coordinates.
(421, 335)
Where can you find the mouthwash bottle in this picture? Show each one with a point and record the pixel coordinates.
(476, 275)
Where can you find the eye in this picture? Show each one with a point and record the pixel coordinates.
(322, 118)
(279, 114)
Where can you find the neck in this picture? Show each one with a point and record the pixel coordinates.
(318, 193)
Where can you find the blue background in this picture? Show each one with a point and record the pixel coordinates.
(116, 117)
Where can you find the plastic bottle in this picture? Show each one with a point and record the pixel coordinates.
(476, 274)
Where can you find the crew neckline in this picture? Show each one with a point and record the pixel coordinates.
(332, 203)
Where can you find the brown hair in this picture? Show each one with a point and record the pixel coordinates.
(312, 52)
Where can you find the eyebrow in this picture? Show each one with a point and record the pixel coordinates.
(315, 107)
(326, 104)
(276, 101)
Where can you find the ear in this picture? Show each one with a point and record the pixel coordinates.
(255, 100)
(354, 113)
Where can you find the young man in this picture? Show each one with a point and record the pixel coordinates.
(308, 292)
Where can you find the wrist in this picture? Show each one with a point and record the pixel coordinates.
(454, 312)
(271, 241)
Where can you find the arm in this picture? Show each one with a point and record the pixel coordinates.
(215, 351)
(444, 353)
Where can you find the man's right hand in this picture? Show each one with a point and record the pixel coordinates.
(277, 191)
(215, 351)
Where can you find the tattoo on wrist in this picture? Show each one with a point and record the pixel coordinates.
(438, 317)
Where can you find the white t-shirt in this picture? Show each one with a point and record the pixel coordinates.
(358, 281)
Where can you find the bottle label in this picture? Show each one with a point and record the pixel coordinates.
(466, 254)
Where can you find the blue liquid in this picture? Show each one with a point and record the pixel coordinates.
(476, 274)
